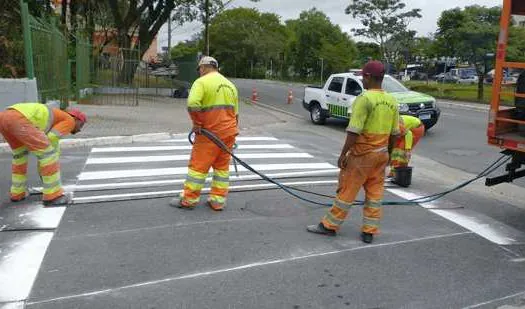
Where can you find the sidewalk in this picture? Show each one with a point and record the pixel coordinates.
(109, 124)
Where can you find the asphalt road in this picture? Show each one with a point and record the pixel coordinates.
(464, 251)
(458, 140)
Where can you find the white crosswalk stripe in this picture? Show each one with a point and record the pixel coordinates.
(154, 170)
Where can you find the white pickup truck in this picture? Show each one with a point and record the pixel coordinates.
(340, 91)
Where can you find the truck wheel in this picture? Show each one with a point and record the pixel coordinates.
(316, 114)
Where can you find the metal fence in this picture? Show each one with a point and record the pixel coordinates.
(91, 75)
(46, 53)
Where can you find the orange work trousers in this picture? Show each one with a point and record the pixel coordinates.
(23, 137)
(206, 154)
(400, 155)
(366, 171)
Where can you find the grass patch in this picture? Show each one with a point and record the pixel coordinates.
(458, 92)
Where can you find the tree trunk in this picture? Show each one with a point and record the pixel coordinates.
(126, 69)
(63, 14)
(480, 87)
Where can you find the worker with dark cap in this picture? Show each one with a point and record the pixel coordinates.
(37, 128)
(213, 104)
(371, 132)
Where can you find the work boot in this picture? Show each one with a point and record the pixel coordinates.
(320, 229)
(367, 237)
(14, 200)
(59, 201)
(216, 206)
(179, 203)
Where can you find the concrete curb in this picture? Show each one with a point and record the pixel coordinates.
(101, 141)
(463, 106)
(263, 106)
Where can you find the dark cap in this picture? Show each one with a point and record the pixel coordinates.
(374, 68)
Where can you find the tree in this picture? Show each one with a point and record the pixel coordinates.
(367, 51)
(381, 19)
(184, 49)
(243, 39)
(313, 40)
(144, 18)
(470, 34)
(203, 11)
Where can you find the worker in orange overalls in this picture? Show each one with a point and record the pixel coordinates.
(371, 132)
(37, 128)
(411, 131)
(213, 105)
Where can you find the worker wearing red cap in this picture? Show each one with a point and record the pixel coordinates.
(37, 128)
(371, 132)
(213, 104)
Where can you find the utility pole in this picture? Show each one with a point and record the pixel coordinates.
(169, 34)
(206, 27)
(322, 68)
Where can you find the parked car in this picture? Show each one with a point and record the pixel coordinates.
(470, 79)
(335, 99)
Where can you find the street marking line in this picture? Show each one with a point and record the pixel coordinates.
(160, 194)
(183, 170)
(238, 139)
(159, 227)
(484, 226)
(245, 267)
(168, 148)
(495, 300)
(144, 159)
(19, 264)
(144, 184)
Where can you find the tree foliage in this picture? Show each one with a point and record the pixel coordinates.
(313, 37)
(381, 19)
(470, 34)
(243, 39)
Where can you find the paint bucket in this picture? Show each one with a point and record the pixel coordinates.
(403, 176)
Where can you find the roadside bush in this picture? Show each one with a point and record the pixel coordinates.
(11, 41)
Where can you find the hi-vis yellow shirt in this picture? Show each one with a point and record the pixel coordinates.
(213, 104)
(407, 124)
(375, 117)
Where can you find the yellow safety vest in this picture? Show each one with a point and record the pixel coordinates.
(410, 123)
(40, 115)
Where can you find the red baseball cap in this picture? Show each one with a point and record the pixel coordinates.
(77, 114)
(374, 68)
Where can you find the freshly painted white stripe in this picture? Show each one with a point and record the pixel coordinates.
(168, 148)
(20, 261)
(260, 264)
(184, 170)
(478, 223)
(497, 300)
(239, 139)
(144, 184)
(144, 159)
(160, 194)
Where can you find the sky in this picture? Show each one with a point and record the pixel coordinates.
(334, 9)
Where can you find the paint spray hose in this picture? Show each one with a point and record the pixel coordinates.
(290, 190)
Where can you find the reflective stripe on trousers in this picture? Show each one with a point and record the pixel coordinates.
(49, 170)
(19, 173)
(367, 171)
(205, 155)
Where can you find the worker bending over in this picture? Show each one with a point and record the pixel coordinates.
(371, 132)
(213, 105)
(37, 128)
(411, 131)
